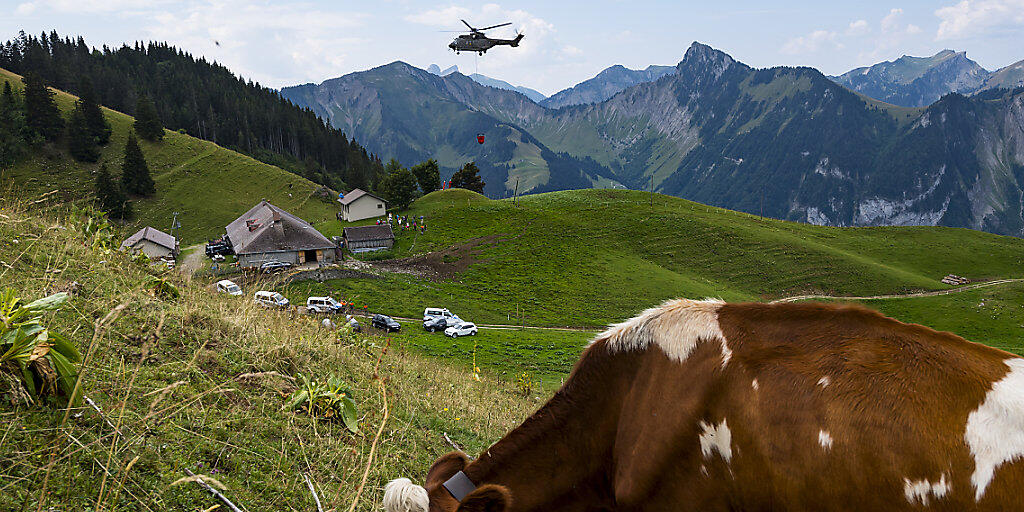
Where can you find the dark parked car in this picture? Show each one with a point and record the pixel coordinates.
(434, 324)
(221, 247)
(274, 266)
(386, 323)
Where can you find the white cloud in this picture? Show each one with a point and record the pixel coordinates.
(857, 28)
(571, 51)
(812, 42)
(275, 45)
(25, 9)
(969, 18)
(88, 6)
(893, 38)
(891, 21)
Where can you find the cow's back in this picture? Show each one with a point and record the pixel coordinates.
(814, 407)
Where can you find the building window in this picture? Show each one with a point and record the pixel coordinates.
(379, 206)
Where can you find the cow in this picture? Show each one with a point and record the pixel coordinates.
(703, 405)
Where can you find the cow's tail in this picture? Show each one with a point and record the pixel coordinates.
(401, 495)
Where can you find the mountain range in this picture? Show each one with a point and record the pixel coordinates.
(920, 81)
(606, 84)
(784, 142)
(490, 82)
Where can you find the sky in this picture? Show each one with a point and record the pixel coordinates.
(283, 43)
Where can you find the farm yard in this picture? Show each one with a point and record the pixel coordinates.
(561, 260)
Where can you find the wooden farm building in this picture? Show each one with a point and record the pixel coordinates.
(268, 233)
(368, 238)
(152, 242)
(360, 204)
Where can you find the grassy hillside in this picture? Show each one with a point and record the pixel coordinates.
(186, 383)
(208, 185)
(993, 316)
(587, 257)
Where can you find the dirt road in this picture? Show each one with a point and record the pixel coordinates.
(935, 293)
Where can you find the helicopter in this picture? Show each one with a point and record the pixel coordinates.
(476, 41)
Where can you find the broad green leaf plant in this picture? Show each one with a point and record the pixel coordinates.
(328, 400)
(32, 350)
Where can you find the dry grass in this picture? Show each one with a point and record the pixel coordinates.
(198, 383)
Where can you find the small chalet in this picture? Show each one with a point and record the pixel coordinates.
(368, 238)
(360, 204)
(152, 242)
(267, 233)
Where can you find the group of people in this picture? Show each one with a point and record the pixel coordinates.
(403, 222)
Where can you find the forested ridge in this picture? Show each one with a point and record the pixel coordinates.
(201, 98)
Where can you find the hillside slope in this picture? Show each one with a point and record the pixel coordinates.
(208, 185)
(589, 257)
(199, 382)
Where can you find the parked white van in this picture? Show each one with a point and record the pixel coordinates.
(228, 287)
(270, 299)
(439, 313)
(323, 305)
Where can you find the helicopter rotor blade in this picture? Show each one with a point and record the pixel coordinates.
(496, 26)
(468, 25)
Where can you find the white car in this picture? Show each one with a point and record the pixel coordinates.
(270, 299)
(463, 329)
(323, 305)
(228, 287)
(431, 313)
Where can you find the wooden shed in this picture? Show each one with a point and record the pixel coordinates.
(368, 238)
(153, 242)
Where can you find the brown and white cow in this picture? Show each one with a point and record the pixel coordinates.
(701, 405)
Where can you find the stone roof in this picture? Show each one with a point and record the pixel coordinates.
(368, 233)
(153, 235)
(356, 193)
(267, 228)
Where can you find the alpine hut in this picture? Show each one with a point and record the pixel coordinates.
(267, 233)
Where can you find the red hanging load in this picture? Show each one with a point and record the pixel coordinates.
(480, 138)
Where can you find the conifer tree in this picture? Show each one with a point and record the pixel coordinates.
(111, 196)
(81, 143)
(428, 175)
(41, 113)
(13, 140)
(468, 177)
(147, 122)
(96, 123)
(135, 178)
